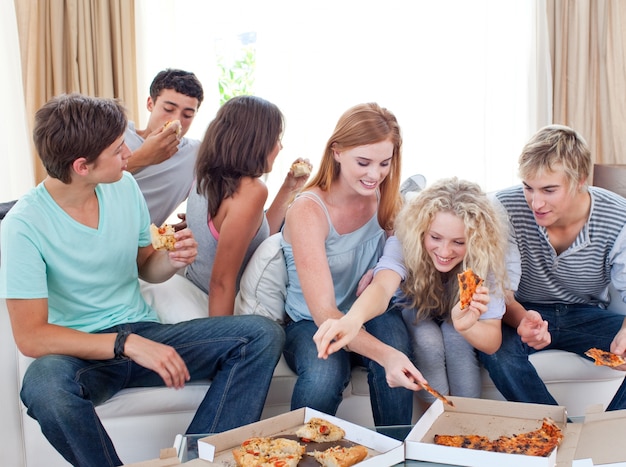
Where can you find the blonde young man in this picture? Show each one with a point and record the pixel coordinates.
(571, 244)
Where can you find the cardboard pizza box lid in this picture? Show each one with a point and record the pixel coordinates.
(217, 449)
(601, 438)
(484, 417)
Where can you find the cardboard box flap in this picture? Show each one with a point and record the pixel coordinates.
(567, 449)
(602, 437)
(383, 449)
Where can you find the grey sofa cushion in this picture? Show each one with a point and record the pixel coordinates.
(4, 208)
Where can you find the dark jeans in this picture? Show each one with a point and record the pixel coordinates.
(61, 392)
(321, 383)
(575, 328)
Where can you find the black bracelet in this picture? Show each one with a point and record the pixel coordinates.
(120, 342)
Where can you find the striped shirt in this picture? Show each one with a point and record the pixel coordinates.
(582, 273)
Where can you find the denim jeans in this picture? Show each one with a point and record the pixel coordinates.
(61, 392)
(575, 328)
(321, 383)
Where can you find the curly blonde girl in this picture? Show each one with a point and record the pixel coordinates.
(430, 292)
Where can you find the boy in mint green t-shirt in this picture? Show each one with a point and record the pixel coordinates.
(73, 249)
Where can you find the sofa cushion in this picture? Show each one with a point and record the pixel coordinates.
(175, 300)
(263, 285)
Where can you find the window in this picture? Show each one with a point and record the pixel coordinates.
(468, 81)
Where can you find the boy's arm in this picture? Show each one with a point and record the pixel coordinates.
(35, 337)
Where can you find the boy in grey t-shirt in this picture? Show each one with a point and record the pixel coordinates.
(163, 159)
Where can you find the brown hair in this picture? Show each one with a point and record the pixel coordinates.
(181, 81)
(70, 126)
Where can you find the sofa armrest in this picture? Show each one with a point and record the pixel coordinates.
(11, 427)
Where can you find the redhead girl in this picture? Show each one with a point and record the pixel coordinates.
(334, 233)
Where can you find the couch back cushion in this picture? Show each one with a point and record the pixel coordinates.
(263, 285)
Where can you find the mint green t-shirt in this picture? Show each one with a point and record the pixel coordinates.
(89, 276)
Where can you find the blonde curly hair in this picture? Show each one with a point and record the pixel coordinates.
(429, 292)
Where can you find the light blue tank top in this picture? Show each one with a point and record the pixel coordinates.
(349, 257)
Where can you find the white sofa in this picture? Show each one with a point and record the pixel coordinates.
(142, 421)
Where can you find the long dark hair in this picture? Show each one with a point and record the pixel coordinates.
(236, 145)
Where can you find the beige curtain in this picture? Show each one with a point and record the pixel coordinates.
(588, 48)
(85, 46)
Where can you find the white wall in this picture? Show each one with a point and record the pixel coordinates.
(468, 80)
(16, 168)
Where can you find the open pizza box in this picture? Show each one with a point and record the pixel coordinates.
(489, 418)
(598, 441)
(383, 450)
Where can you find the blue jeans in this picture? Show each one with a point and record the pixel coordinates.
(575, 328)
(61, 392)
(321, 383)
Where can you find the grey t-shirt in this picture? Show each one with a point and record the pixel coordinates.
(165, 185)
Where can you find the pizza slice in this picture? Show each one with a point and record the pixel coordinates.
(482, 443)
(602, 357)
(436, 394)
(469, 281)
(162, 237)
(320, 430)
(338, 456)
(539, 442)
(268, 452)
